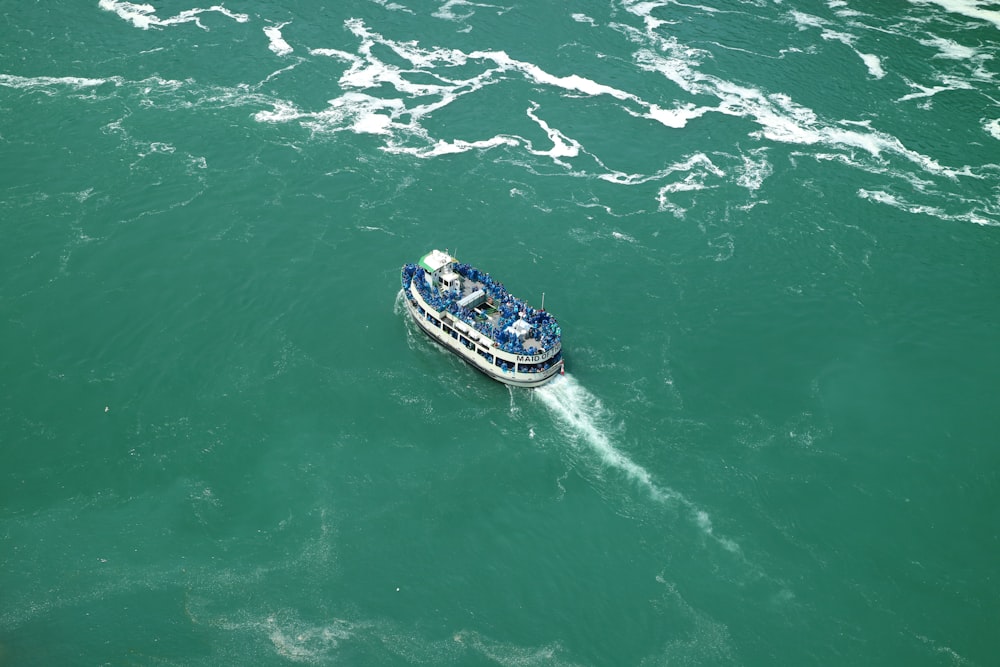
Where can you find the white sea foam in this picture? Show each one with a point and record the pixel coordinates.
(301, 641)
(756, 168)
(689, 183)
(368, 72)
(678, 117)
(281, 112)
(587, 420)
(277, 43)
(986, 219)
(992, 127)
(442, 147)
(144, 16)
(562, 146)
(357, 112)
(873, 63)
(975, 9)
(13, 81)
(698, 163)
(391, 99)
(780, 118)
(837, 36)
(925, 92)
(335, 53)
(950, 49)
(393, 6)
(445, 11)
(840, 8)
(805, 21)
(372, 123)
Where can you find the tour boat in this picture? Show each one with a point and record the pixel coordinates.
(471, 314)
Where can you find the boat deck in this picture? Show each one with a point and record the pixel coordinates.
(490, 313)
(473, 315)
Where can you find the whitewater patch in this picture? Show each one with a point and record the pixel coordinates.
(698, 163)
(779, 117)
(926, 92)
(805, 21)
(873, 63)
(366, 72)
(427, 84)
(144, 16)
(276, 42)
(949, 48)
(755, 170)
(390, 98)
(841, 9)
(971, 8)
(562, 146)
(992, 127)
(585, 419)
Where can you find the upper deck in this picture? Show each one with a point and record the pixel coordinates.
(481, 302)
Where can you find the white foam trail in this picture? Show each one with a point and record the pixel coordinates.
(582, 412)
(924, 92)
(13, 81)
(883, 197)
(584, 416)
(676, 118)
(144, 16)
(698, 163)
(572, 82)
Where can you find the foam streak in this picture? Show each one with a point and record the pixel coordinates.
(144, 16)
(583, 414)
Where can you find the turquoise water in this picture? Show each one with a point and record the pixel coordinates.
(770, 232)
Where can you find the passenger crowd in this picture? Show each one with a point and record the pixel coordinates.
(544, 327)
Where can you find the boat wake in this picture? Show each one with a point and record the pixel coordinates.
(584, 415)
(585, 420)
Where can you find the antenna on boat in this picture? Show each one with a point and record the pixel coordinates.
(543, 300)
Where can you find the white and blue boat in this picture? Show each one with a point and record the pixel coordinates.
(471, 314)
